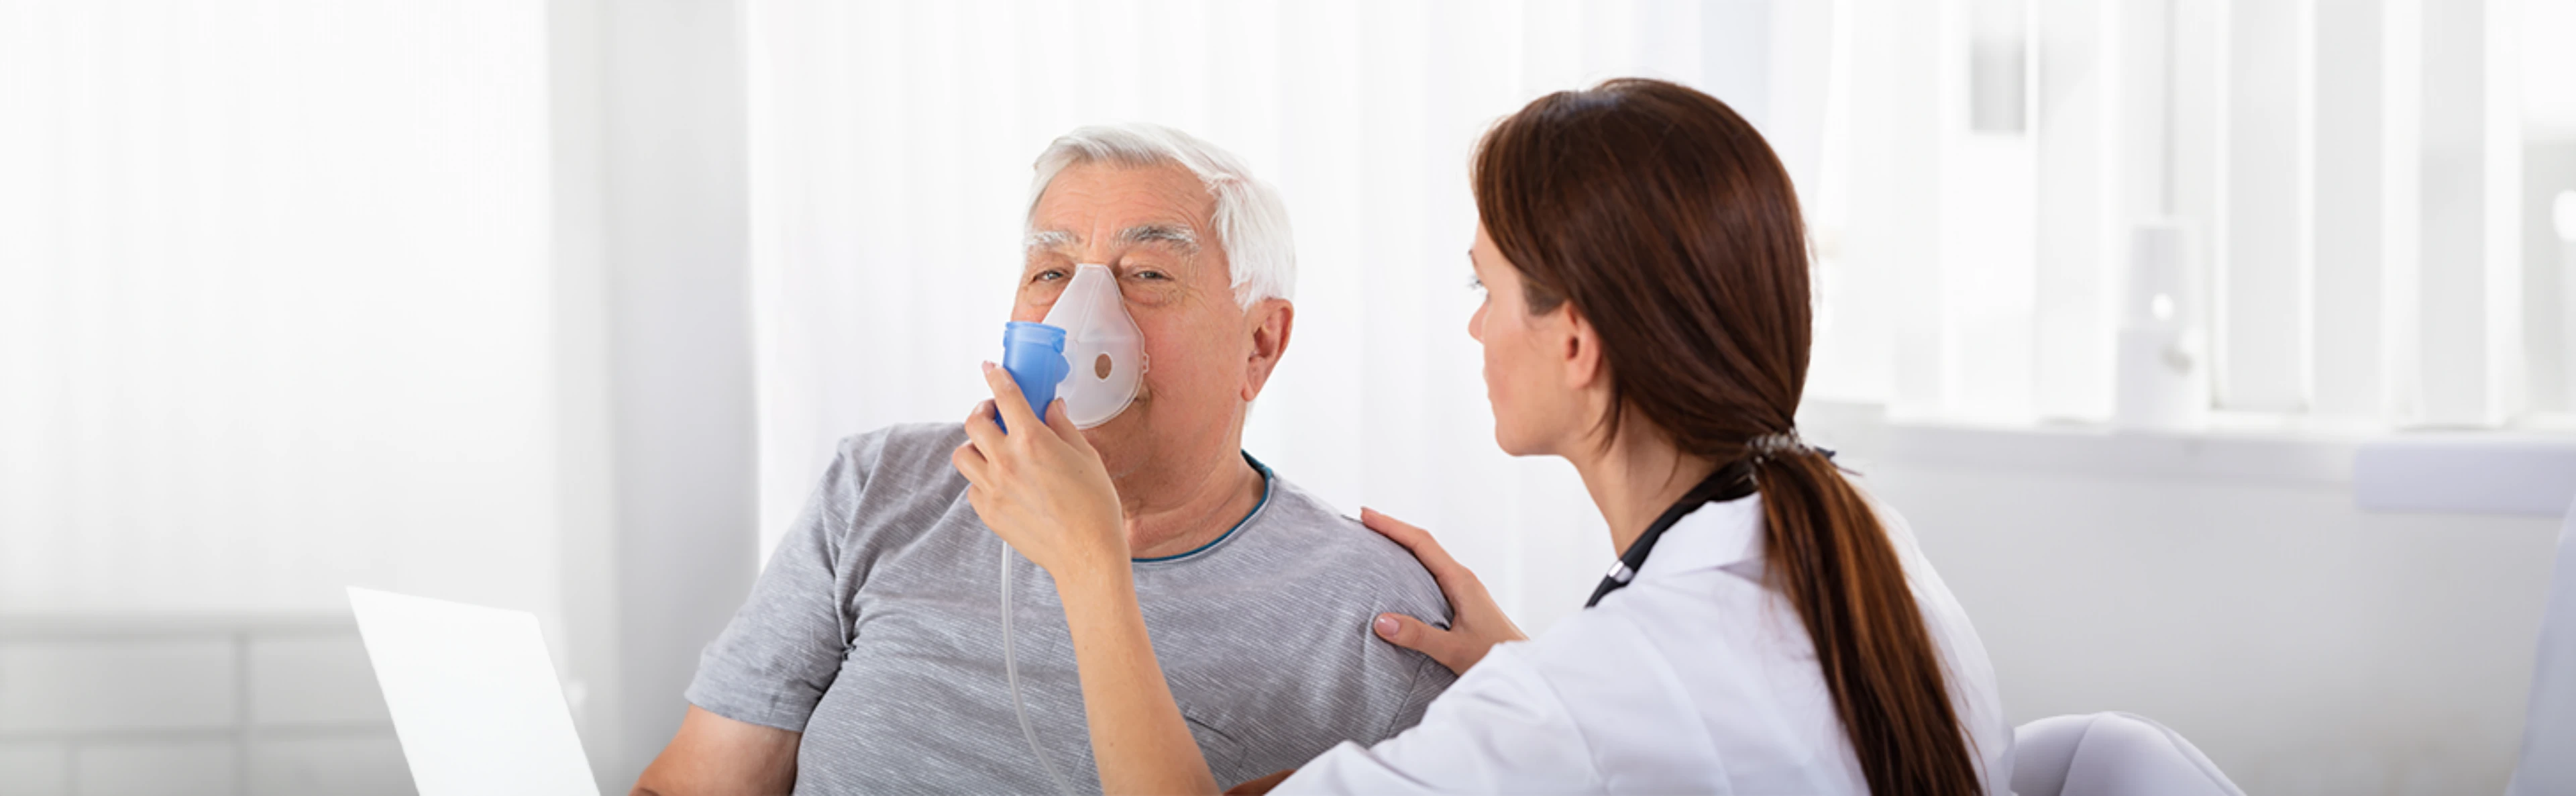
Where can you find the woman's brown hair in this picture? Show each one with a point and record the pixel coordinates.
(1670, 225)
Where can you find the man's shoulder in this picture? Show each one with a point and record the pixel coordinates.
(886, 471)
(1375, 566)
(907, 451)
(904, 443)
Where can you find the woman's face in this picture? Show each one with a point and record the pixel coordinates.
(1528, 368)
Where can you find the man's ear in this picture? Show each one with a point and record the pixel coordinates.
(1581, 348)
(1270, 320)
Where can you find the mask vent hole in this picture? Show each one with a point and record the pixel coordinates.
(1100, 367)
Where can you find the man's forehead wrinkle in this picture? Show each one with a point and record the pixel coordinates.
(1082, 203)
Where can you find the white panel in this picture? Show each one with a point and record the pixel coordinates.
(1897, 212)
(309, 681)
(2198, 153)
(35, 769)
(2470, 281)
(2351, 376)
(679, 298)
(1735, 54)
(73, 686)
(2263, 291)
(158, 769)
(2401, 205)
(2139, 42)
(1800, 41)
(2077, 240)
(1987, 236)
(2467, 474)
(1850, 360)
(365, 766)
(1321, 175)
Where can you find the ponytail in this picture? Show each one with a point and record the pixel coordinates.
(1825, 550)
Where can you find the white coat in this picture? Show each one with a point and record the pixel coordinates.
(1692, 679)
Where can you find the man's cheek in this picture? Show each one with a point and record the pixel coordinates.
(1028, 309)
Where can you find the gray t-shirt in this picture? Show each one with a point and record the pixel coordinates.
(876, 631)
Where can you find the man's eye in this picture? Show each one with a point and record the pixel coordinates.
(1048, 275)
(1150, 273)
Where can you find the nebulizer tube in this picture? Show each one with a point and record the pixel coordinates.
(1011, 672)
(1089, 324)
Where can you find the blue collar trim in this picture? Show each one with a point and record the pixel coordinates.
(1266, 484)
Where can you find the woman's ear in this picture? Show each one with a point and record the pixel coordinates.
(1581, 348)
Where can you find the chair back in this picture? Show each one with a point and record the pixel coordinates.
(2549, 718)
(2111, 754)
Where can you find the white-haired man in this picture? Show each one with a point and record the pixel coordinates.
(869, 656)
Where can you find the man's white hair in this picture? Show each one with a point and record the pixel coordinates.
(1250, 221)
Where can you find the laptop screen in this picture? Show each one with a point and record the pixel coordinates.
(474, 697)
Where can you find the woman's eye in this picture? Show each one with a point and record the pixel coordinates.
(1150, 273)
(1048, 275)
(1476, 284)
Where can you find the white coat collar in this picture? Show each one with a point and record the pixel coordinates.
(1714, 535)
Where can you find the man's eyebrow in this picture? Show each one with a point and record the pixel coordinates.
(1173, 234)
(1046, 239)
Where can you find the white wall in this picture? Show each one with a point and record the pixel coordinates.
(218, 705)
(2226, 586)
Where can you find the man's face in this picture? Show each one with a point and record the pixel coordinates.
(1150, 227)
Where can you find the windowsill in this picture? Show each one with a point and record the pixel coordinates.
(93, 625)
(2528, 469)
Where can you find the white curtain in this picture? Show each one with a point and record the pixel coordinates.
(274, 297)
(891, 145)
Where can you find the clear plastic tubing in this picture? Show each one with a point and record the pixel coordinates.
(1011, 672)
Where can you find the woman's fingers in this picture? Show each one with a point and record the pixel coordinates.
(968, 461)
(980, 431)
(1059, 419)
(1445, 646)
(1007, 396)
(1419, 541)
(1477, 623)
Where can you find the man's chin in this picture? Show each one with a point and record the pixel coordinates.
(1118, 440)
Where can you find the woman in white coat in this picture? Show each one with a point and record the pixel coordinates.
(1769, 629)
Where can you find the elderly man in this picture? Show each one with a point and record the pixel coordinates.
(870, 655)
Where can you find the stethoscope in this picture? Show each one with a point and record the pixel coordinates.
(1730, 482)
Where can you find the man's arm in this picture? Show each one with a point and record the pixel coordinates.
(716, 756)
(774, 661)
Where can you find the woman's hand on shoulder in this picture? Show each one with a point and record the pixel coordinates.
(1040, 486)
(1476, 622)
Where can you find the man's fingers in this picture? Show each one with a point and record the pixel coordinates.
(1413, 634)
(1006, 396)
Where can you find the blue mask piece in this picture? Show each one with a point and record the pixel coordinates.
(1034, 355)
